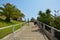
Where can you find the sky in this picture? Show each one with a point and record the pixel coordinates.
(31, 8)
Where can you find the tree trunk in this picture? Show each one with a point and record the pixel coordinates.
(7, 19)
(15, 18)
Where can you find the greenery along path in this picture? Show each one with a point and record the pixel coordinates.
(28, 33)
(7, 31)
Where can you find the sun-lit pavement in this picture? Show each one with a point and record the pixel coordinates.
(28, 32)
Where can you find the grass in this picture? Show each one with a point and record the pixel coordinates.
(7, 31)
(3, 23)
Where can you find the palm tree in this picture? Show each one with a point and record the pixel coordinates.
(48, 11)
(40, 12)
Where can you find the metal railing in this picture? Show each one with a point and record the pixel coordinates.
(51, 33)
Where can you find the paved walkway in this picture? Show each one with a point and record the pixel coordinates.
(28, 33)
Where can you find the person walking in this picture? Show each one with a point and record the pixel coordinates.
(35, 23)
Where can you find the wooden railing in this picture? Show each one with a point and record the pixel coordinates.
(51, 33)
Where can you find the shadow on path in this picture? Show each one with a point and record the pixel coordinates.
(41, 32)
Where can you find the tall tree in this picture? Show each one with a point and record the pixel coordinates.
(32, 19)
(45, 17)
(49, 19)
(10, 11)
(7, 10)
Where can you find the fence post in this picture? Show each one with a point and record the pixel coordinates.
(43, 26)
(21, 25)
(12, 29)
(52, 33)
(13, 32)
(40, 25)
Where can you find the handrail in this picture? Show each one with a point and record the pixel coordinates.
(52, 33)
(9, 26)
(13, 29)
(50, 27)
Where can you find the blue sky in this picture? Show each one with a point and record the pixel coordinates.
(31, 7)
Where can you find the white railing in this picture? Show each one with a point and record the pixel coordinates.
(12, 27)
(8, 26)
(51, 33)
